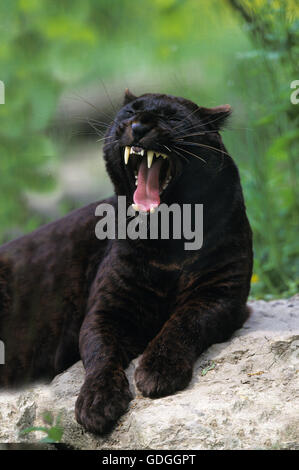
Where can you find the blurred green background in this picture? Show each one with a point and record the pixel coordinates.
(65, 65)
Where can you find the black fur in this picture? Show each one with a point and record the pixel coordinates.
(64, 294)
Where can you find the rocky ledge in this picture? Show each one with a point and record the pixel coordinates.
(243, 395)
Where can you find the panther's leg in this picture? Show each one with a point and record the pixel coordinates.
(108, 342)
(167, 362)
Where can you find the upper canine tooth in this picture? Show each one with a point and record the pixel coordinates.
(150, 156)
(127, 155)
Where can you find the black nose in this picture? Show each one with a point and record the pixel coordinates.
(139, 129)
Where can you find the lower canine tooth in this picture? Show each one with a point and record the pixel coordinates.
(150, 156)
(127, 155)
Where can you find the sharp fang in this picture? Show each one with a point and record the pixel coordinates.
(152, 209)
(150, 156)
(127, 155)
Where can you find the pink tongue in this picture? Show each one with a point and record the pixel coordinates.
(147, 195)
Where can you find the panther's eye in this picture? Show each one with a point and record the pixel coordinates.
(128, 112)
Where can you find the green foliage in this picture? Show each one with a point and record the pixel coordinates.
(241, 52)
(269, 162)
(54, 432)
(206, 369)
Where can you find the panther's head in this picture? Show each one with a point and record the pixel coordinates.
(155, 140)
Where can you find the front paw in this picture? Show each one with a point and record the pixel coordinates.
(102, 400)
(158, 376)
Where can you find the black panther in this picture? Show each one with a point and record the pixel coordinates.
(66, 295)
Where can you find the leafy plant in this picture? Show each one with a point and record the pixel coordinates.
(206, 369)
(270, 165)
(54, 432)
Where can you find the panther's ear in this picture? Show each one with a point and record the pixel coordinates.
(128, 96)
(215, 117)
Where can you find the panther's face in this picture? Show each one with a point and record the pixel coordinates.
(153, 140)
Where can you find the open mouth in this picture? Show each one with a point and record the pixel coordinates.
(152, 171)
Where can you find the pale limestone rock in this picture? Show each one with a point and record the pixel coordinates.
(249, 399)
